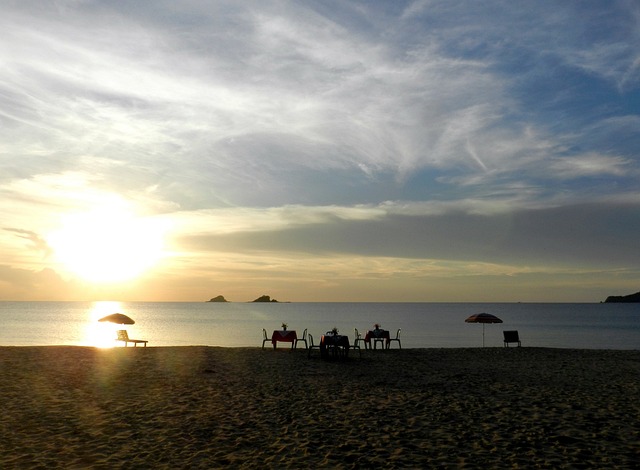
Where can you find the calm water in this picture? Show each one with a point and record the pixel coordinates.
(424, 325)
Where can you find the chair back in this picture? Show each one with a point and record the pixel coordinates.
(264, 334)
(398, 333)
(122, 335)
(304, 334)
(511, 336)
(357, 333)
(310, 338)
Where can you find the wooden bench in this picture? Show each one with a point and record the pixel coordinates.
(124, 336)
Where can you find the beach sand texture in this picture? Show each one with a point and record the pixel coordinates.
(208, 407)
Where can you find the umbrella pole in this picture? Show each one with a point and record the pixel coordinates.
(483, 335)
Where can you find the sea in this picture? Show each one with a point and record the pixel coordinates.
(232, 324)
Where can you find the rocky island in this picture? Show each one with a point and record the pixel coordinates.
(623, 299)
(264, 298)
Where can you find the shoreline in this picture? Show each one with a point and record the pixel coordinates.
(212, 407)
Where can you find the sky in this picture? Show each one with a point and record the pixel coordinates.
(386, 151)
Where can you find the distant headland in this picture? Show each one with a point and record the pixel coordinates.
(219, 298)
(623, 299)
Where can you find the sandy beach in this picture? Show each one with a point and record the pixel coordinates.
(207, 407)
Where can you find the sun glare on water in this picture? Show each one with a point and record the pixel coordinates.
(108, 244)
(102, 334)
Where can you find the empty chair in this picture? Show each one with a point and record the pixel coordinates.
(511, 337)
(303, 339)
(397, 338)
(357, 339)
(124, 336)
(356, 342)
(311, 345)
(265, 338)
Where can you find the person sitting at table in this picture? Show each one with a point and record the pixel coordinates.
(376, 330)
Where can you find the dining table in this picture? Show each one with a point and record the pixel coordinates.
(284, 336)
(377, 334)
(334, 344)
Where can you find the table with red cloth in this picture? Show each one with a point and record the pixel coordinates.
(376, 334)
(332, 343)
(284, 336)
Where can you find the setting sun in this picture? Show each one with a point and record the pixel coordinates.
(108, 244)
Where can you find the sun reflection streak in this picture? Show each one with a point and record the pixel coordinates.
(101, 334)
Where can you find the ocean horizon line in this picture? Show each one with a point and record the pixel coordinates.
(328, 301)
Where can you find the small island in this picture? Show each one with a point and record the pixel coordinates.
(623, 299)
(264, 298)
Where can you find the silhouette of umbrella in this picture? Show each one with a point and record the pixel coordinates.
(483, 318)
(119, 318)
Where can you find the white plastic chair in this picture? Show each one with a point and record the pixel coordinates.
(303, 339)
(358, 338)
(397, 338)
(311, 345)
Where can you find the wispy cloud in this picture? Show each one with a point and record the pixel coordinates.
(375, 129)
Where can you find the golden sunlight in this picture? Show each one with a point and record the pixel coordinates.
(108, 244)
(102, 334)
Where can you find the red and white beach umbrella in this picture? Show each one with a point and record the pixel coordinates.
(483, 318)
